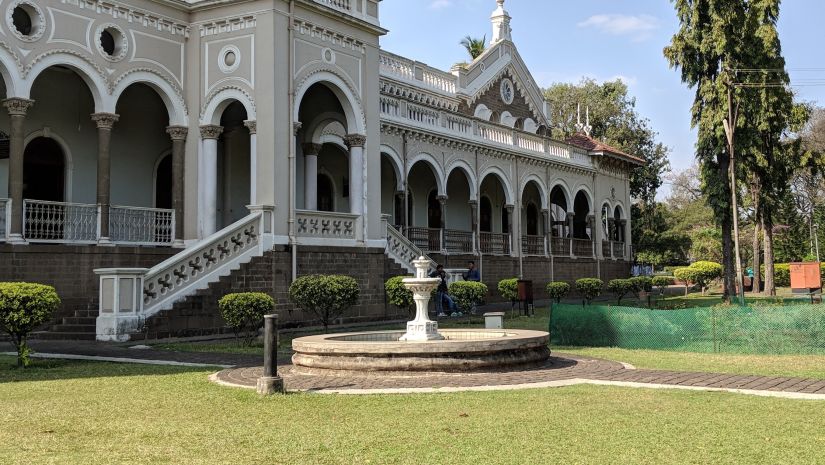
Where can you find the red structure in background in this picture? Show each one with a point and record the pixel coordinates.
(806, 277)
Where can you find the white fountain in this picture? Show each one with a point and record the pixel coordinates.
(421, 328)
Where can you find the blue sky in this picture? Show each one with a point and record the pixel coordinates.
(565, 40)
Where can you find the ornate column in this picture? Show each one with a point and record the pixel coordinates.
(474, 225)
(17, 108)
(399, 200)
(571, 218)
(209, 168)
(356, 142)
(509, 210)
(442, 201)
(252, 125)
(311, 152)
(623, 238)
(178, 135)
(591, 223)
(105, 122)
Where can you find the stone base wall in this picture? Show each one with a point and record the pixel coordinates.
(540, 270)
(271, 274)
(70, 269)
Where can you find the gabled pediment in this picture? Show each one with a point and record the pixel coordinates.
(482, 80)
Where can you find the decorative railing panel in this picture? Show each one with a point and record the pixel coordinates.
(397, 66)
(560, 246)
(495, 243)
(439, 80)
(60, 222)
(495, 134)
(458, 241)
(582, 247)
(337, 4)
(532, 245)
(4, 221)
(390, 106)
(427, 239)
(618, 250)
(423, 115)
(606, 249)
(141, 226)
(171, 279)
(530, 142)
(402, 250)
(326, 225)
(458, 124)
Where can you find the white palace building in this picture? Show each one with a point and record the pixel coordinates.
(155, 154)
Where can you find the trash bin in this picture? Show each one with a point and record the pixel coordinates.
(525, 296)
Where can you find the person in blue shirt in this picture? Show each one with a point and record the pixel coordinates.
(472, 273)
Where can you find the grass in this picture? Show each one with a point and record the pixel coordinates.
(805, 366)
(92, 413)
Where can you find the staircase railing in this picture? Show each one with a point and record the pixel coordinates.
(403, 251)
(130, 295)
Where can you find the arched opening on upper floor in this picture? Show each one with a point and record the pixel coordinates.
(392, 193)
(44, 170)
(426, 220)
(532, 203)
(559, 225)
(494, 219)
(618, 233)
(163, 183)
(581, 209)
(234, 178)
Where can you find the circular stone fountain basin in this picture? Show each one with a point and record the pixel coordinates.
(460, 350)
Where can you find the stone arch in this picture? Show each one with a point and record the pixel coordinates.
(620, 208)
(356, 121)
(88, 72)
(482, 112)
(68, 160)
(217, 104)
(396, 163)
(9, 71)
(565, 189)
(155, 171)
(175, 106)
(542, 188)
(588, 193)
(503, 179)
(438, 173)
(468, 172)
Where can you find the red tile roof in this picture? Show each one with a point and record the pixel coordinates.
(590, 144)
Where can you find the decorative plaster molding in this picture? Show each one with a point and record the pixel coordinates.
(420, 96)
(133, 15)
(177, 132)
(17, 106)
(304, 27)
(103, 74)
(160, 74)
(105, 120)
(252, 126)
(226, 25)
(211, 131)
(218, 90)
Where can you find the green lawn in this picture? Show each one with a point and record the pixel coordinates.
(94, 413)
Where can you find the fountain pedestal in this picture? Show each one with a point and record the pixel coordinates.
(421, 328)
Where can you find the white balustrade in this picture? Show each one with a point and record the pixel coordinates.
(423, 115)
(402, 250)
(141, 226)
(495, 134)
(530, 142)
(458, 124)
(5, 220)
(327, 225)
(442, 81)
(460, 242)
(337, 4)
(495, 243)
(60, 222)
(396, 66)
(532, 245)
(390, 106)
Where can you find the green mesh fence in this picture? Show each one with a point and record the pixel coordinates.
(789, 329)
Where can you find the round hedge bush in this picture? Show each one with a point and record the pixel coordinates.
(24, 307)
(325, 296)
(662, 282)
(399, 295)
(508, 288)
(244, 313)
(642, 283)
(589, 288)
(621, 287)
(558, 290)
(468, 294)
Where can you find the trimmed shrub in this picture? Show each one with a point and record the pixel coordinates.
(508, 288)
(642, 283)
(662, 282)
(24, 307)
(558, 290)
(589, 288)
(708, 271)
(621, 287)
(689, 276)
(468, 294)
(325, 296)
(244, 312)
(399, 295)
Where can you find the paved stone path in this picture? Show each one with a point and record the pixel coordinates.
(560, 370)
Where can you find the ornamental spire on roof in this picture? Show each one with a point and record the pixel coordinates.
(501, 24)
(586, 128)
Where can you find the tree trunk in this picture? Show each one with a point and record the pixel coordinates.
(757, 268)
(726, 224)
(767, 227)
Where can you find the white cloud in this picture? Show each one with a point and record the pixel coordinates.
(440, 4)
(546, 79)
(638, 27)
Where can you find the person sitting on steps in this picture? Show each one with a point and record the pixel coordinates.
(441, 294)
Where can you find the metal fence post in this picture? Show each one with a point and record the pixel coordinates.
(270, 382)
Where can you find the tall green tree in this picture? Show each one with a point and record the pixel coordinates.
(475, 47)
(615, 121)
(718, 42)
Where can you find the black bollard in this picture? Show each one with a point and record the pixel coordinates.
(270, 382)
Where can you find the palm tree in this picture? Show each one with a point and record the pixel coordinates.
(475, 47)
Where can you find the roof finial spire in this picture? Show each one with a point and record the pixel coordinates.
(587, 127)
(579, 125)
(501, 24)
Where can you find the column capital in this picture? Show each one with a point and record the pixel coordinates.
(310, 148)
(296, 126)
(441, 198)
(105, 120)
(252, 125)
(17, 106)
(509, 207)
(473, 202)
(211, 131)
(355, 140)
(177, 132)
